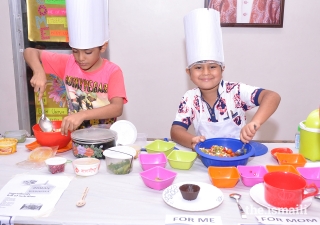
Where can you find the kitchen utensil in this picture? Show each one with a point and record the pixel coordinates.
(231, 143)
(251, 175)
(275, 151)
(317, 197)
(223, 177)
(182, 160)
(160, 146)
(237, 197)
(86, 166)
(310, 174)
(167, 140)
(294, 159)
(189, 191)
(149, 161)
(286, 190)
(241, 151)
(82, 202)
(209, 197)
(51, 139)
(44, 122)
(158, 178)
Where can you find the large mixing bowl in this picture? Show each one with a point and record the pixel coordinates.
(233, 144)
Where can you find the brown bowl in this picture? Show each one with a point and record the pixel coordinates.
(189, 191)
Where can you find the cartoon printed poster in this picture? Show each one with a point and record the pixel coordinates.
(47, 20)
(54, 100)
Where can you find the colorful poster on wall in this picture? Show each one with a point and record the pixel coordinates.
(54, 100)
(47, 20)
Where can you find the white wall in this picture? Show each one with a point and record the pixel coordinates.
(147, 42)
(8, 101)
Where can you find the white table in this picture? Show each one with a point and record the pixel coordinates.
(124, 199)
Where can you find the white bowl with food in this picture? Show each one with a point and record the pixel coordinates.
(86, 166)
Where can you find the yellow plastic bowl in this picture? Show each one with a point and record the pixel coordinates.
(8, 146)
(160, 146)
(182, 160)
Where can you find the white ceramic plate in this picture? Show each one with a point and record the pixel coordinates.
(127, 132)
(257, 194)
(209, 197)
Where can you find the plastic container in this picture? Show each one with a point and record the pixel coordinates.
(231, 143)
(8, 146)
(297, 139)
(20, 135)
(223, 177)
(251, 175)
(160, 146)
(86, 166)
(149, 161)
(310, 137)
(158, 178)
(56, 164)
(182, 160)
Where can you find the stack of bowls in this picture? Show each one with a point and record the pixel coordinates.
(91, 142)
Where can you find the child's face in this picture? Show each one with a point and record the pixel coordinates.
(88, 59)
(206, 76)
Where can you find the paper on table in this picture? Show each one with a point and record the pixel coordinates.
(192, 220)
(288, 220)
(32, 195)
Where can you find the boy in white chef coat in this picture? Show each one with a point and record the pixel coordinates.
(216, 107)
(85, 72)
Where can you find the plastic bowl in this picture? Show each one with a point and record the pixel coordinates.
(282, 168)
(20, 135)
(310, 174)
(231, 143)
(119, 159)
(251, 175)
(149, 161)
(275, 151)
(51, 139)
(158, 178)
(223, 177)
(296, 160)
(56, 164)
(86, 166)
(182, 160)
(160, 146)
(8, 146)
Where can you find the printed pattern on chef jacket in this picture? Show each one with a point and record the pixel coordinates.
(86, 90)
(244, 97)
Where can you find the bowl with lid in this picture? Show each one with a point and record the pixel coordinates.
(91, 142)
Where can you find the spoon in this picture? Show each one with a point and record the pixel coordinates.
(242, 151)
(44, 122)
(82, 202)
(317, 197)
(237, 197)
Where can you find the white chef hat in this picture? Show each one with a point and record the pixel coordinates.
(87, 23)
(203, 36)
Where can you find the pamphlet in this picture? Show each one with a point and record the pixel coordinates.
(32, 195)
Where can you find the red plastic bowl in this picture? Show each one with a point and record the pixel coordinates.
(51, 139)
(280, 150)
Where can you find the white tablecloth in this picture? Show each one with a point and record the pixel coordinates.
(124, 199)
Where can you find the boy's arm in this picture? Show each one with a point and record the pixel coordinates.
(73, 121)
(38, 81)
(268, 104)
(181, 136)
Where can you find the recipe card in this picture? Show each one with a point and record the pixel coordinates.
(32, 195)
(192, 220)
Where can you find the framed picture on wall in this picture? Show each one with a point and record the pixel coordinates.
(249, 13)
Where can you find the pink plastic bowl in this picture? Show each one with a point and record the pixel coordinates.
(158, 177)
(149, 161)
(310, 174)
(251, 175)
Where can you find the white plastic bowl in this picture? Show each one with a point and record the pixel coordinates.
(86, 166)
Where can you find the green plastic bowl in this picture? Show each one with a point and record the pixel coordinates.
(160, 146)
(182, 160)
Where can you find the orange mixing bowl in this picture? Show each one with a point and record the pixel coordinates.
(51, 139)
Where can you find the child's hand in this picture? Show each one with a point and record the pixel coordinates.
(196, 140)
(38, 82)
(248, 131)
(71, 123)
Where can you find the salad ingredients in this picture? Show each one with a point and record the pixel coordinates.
(220, 151)
(122, 167)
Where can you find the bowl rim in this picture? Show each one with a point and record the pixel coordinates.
(173, 174)
(217, 158)
(163, 158)
(171, 145)
(74, 162)
(180, 161)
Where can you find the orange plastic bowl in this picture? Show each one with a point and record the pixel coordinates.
(51, 139)
(223, 177)
(296, 160)
(275, 151)
(282, 168)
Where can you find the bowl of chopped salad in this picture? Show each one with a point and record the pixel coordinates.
(221, 152)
